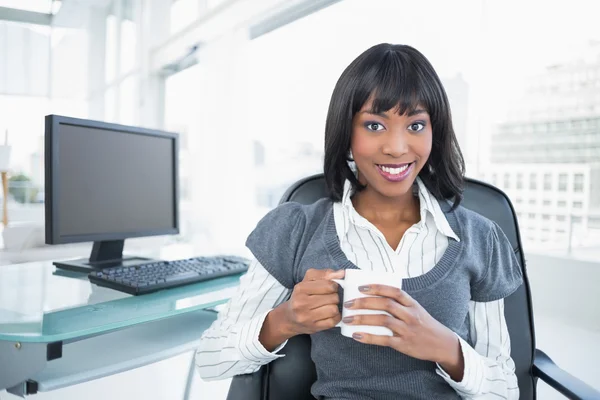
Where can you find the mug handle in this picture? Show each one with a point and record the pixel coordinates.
(341, 283)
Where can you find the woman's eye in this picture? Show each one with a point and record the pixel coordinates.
(416, 127)
(374, 126)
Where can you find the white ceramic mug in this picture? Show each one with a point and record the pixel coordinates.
(352, 281)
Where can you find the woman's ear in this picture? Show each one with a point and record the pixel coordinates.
(351, 163)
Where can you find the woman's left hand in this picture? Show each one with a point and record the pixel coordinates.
(415, 332)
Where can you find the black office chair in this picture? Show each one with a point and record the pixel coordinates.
(291, 377)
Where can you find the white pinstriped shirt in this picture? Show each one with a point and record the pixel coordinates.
(231, 346)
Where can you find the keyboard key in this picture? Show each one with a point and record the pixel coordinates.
(181, 276)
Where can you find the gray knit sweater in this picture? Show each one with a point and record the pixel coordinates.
(481, 267)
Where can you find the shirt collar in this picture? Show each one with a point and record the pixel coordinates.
(428, 205)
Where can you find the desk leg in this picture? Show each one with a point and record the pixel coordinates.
(24, 360)
(190, 377)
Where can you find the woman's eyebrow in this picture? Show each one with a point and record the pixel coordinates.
(379, 114)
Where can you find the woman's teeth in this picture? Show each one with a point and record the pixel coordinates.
(394, 171)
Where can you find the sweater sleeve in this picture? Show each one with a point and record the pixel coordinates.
(503, 274)
(275, 241)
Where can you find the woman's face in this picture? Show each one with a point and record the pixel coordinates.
(390, 149)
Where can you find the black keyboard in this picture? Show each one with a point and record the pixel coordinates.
(154, 276)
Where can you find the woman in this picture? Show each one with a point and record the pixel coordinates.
(395, 175)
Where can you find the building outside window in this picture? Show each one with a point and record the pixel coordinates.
(519, 181)
(578, 183)
(532, 181)
(562, 182)
(547, 182)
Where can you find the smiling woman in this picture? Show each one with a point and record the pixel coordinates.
(397, 209)
(401, 119)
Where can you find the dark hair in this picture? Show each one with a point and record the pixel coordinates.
(396, 76)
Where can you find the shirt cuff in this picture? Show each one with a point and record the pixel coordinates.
(473, 374)
(249, 345)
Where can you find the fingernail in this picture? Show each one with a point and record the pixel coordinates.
(357, 336)
(349, 304)
(348, 319)
(364, 288)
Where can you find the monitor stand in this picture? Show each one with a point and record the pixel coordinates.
(105, 254)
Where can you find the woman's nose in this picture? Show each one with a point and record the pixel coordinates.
(396, 144)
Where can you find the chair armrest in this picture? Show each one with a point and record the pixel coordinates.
(248, 387)
(565, 383)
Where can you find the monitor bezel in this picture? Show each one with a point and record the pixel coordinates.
(52, 186)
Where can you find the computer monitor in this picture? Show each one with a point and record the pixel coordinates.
(105, 183)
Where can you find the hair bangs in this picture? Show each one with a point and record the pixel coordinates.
(394, 83)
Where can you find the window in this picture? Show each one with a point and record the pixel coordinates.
(519, 200)
(129, 39)
(547, 182)
(578, 183)
(127, 91)
(531, 216)
(519, 181)
(266, 198)
(183, 13)
(532, 182)
(577, 204)
(532, 202)
(561, 218)
(576, 219)
(562, 204)
(546, 217)
(562, 183)
(506, 181)
(547, 203)
(111, 49)
(110, 101)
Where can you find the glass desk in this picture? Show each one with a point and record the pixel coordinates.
(57, 329)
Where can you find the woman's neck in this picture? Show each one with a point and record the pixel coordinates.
(384, 211)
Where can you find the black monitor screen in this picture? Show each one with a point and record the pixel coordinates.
(111, 182)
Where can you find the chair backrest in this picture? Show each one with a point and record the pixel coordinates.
(290, 377)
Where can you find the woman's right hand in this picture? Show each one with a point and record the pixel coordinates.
(312, 307)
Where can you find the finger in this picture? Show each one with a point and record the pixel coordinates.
(337, 274)
(327, 323)
(380, 304)
(313, 274)
(388, 291)
(319, 287)
(395, 325)
(317, 301)
(325, 312)
(378, 340)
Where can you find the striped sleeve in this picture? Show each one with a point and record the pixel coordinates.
(231, 346)
(489, 370)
